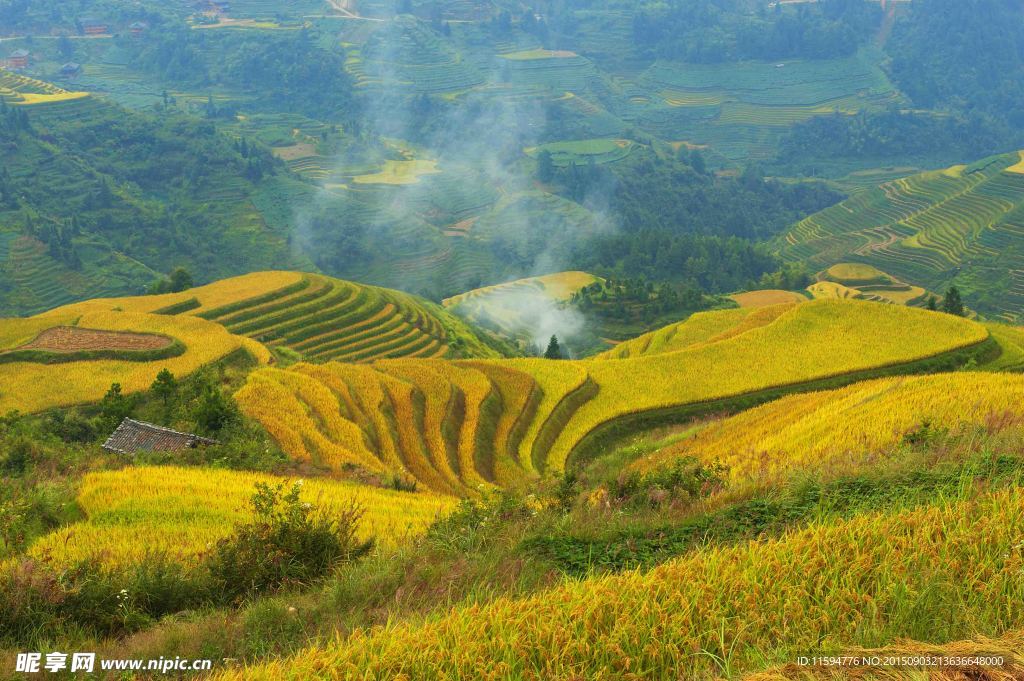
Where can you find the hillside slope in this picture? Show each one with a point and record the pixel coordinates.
(454, 425)
(834, 583)
(96, 200)
(318, 317)
(961, 226)
(837, 429)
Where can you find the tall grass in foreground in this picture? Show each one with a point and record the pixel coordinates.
(935, 573)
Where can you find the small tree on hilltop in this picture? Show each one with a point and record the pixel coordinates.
(181, 280)
(932, 304)
(554, 350)
(953, 304)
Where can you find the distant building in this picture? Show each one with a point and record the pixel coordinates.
(71, 69)
(138, 28)
(219, 6)
(137, 436)
(93, 27)
(18, 59)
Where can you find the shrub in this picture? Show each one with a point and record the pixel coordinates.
(685, 481)
(289, 543)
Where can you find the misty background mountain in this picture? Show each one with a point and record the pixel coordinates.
(440, 146)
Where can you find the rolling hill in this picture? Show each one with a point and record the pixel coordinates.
(841, 429)
(309, 315)
(959, 226)
(456, 425)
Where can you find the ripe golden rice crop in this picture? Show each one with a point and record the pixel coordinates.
(698, 328)
(834, 430)
(514, 418)
(210, 296)
(182, 511)
(41, 386)
(951, 569)
(814, 340)
(767, 297)
(18, 331)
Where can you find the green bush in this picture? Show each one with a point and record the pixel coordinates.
(289, 543)
(686, 481)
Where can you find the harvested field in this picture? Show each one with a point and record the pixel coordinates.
(76, 339)
(767, 297)
(295, 151)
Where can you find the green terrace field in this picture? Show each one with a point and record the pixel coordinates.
(455, 425)
(584, 151)
(406, 54)
(743, 109)
(957, 226)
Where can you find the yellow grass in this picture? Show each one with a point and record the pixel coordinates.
(817, 590)
(18, 331)
(698, 329)
(30, 387)
(557, 286)
(850, 272)
(30, 98)
(832, 290)
(714, 356)
(210, 296)
(526, 55)
(400, 172)
(1017, 167)
(810, 341)
(767, 297)
(837, 430)
(182, 511)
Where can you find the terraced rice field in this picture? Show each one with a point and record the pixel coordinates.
(320, 317)
(407, 54)
(835, 431)
(30, 387)
(836, 583)
(584, 151)
(78, 339)
(134, 513)
(767, 297)
(399, 172)
(742, 110)
(455, 425)
(957, 225)
(512, 308)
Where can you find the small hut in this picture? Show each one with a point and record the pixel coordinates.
(93, 26)
(71, 69)
(138, 28)
(18, 59)
(137, 436)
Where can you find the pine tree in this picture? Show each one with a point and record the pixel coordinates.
(554, 350)
(932, 304)
(953, 304)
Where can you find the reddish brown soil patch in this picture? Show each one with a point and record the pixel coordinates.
(75, 339)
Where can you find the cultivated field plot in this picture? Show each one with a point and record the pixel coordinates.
(28, 386)
(76, 339)
(836, 430)
(930, 230)
(584, 151)
(767, 297)
(137, 513)
(513, 308)
(742, 110)
(320, 317)
(455, 425)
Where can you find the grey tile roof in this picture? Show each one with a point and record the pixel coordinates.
(134, 436)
